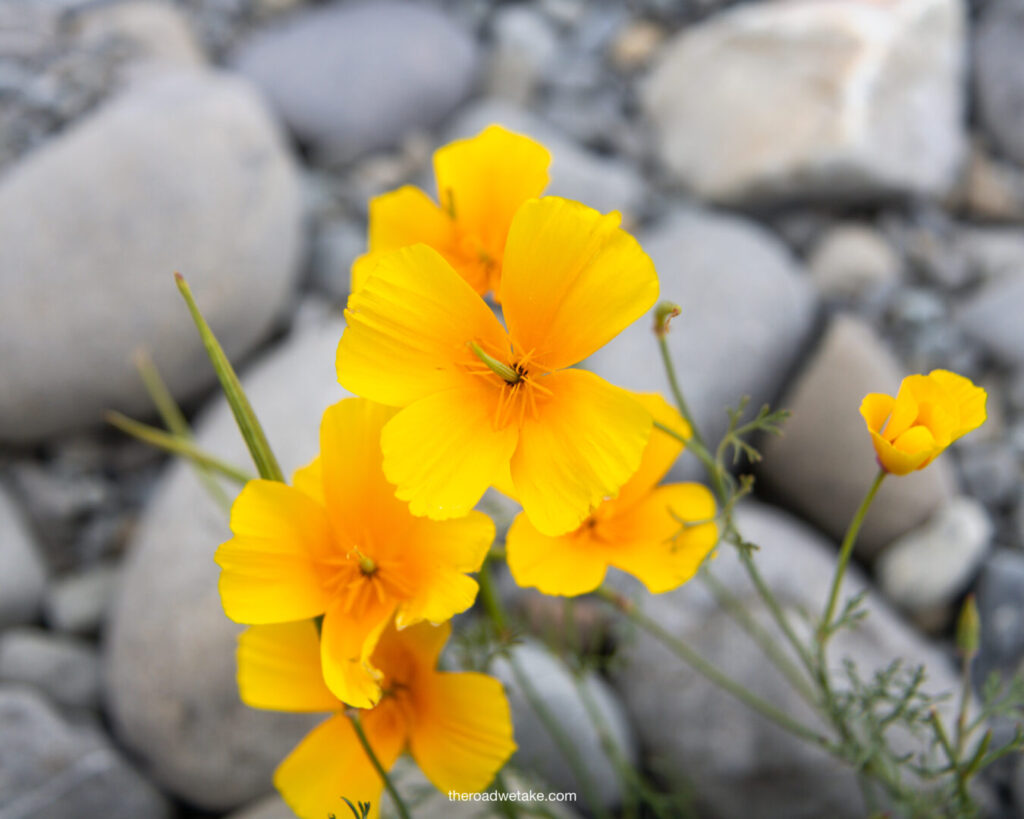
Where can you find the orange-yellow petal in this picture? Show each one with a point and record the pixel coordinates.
(584, 443)
(269, 569)
(443, 451)
(969, 400)
(407, 216)
(330, 763)
(441, 551)
(409, 327)
(915, 454)
(482, 181)
(309, 479)
(421, 642)
(904, 411)
(650, 543)
(566, 565)
(347, 642)
(462, 733)
(279, 668)
(875, 409)
(572, 280)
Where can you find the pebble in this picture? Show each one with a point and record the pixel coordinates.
(851, 259)
(22, 573)
(992, 317)
(524, 50)
(66, 670)
(1000, 596)
(77, 603)
(823, 464)
(999, 75)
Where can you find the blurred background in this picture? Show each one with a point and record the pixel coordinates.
(832, 190)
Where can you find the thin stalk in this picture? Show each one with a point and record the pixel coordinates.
(403, 811)
(489, 597)
(673, 383)
(176, 445)
(954, 762)
(712, 673)
(965, 701)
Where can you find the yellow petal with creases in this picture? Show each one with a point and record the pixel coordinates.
(279, 668)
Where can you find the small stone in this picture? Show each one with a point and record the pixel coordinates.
(525, 47)
(77, 604)
(334, 247)
(67, 671)
(1000, 596)
(990, 470)
(992, 317)
(851, 259)
(22, 573)
(555, 687)
(824, 462)
(991, 189)
(876, 111)
(931, 565)
(354, 77)
(635, 45)
(999, 76)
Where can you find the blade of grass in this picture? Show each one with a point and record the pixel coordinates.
(246, 419)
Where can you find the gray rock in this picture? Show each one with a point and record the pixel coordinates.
(525, 47)
(67, 671)
(170, 666)
(554, 685)
(22, 574)
(929, 566)
(335, 246)
(999, 75)
(876, 111)
(736, 762)
(194, 178)
(601, 182)
(270, 807)
(747, 310)
(992, 317)
(1000, 596)
(354, 77)
(77, 604)
(991, 471)
(824, 462)
(851, 259)
(991, 189)
(49, 770)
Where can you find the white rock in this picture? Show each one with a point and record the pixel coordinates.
(931, 565)
(77, 604)
(67, 671)
(170, 665)
(805, 98)
(185, 172)
(22, 574)
(851, 259)
(525, 47)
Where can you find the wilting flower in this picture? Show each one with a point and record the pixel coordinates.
(479, 401)
(456, 725)
(481, 183)
(340, 544)
(658, 534)
(928, 413)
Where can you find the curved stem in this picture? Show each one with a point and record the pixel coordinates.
(403, 811)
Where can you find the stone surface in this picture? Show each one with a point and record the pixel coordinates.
(872, 94)
(824, 462)
(738, 765)
(851, 259)
(76, 604)
(49, 770)
(67, 671)
(604, 183)
(747, 311)
(170, 667)
(999, 75)
(931, 565)
(990, 188)
(22, 574)
(554, 686)
(992, 317)
(353, 77)
(194, 178)
(524, 48)
(1000, 595)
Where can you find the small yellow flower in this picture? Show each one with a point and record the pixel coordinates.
(480, 401)
(928, 413)
(481, 183)
(641, 531)
(340, 544)
(456, 725)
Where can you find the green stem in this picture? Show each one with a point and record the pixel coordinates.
(711, 672)
(963, 796)
(176, 445)
(673, 383)
(403, 811)
(965, 701)
(489, 597)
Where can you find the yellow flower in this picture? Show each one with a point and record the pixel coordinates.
(640, 532)
(456, 725)
(481, 183)
(478, 400)
(340, 544)
(928, 413)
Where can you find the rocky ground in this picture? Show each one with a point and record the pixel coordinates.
(829, 218)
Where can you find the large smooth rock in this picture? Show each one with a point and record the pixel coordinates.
(604, 183)
(49, 770)
(22, 574)
(353, 77)
(999, 75)
(747, 309)
(824, 462)
(556, 689)
(184, 172)
(170, 658)
(804, 98)
(739, 765)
